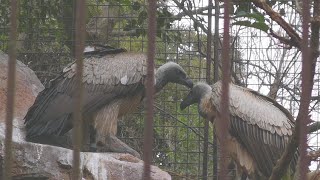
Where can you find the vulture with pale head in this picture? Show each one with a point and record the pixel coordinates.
(259, 128)
(114, 85)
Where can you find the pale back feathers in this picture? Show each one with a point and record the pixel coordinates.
(261, 125)
(255, 109)
(105, 79)
(114, 85)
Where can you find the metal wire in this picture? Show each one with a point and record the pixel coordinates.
(148, 131)
(11, 89)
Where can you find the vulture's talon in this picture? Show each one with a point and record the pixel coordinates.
(134, 153)
(113, 144)
(93, 148)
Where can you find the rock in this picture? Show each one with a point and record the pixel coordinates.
(27, 87)
(39, 161)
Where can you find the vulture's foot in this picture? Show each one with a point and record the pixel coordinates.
(93, 148)
(113, 144)
(92, 139)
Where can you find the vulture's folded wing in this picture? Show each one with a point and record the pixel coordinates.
(105, 78)
(259, 123)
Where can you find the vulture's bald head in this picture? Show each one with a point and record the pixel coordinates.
(196, 94)
(172, 72)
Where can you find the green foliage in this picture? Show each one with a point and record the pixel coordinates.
(254, 20)
(93, 8)
(256, 16)
(164, 22)
(246, 14)
(3, 39)
(45, 27)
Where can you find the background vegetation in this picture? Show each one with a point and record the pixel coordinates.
(261, 59)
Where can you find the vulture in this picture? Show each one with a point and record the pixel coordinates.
(259, 128)
(114, 85)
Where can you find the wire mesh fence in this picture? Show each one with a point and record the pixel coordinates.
(46, 41)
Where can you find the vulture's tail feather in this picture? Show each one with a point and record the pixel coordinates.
(40, 121)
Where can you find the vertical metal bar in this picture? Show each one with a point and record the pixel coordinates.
(306, 91)
(208, 77)
(223, 121)
(11, 87)
(148, 130)
(216, 76)
(77, 114)
(216, 41)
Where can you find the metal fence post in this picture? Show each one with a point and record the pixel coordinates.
(11, 87)
(148, 126)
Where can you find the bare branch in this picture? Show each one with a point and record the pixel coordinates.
(295, 38)
(313, 155)
(189, 13)
(314, 127)
(124, 33)
(275, 86)
(280, 38)
(283, 163)
(196, 11)
(315, 98)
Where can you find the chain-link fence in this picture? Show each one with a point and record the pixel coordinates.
(263, 57)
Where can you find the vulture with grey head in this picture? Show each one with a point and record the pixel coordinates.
(259, 128)
(114, 85)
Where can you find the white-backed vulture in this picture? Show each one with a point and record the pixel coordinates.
(259, 127)
(114, 85)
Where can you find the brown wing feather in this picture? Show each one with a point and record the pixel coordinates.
(260, 124)
(105, 79)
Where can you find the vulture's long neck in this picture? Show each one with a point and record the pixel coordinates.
(160, 79)
(205, 106)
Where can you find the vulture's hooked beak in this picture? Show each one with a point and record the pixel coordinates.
(187, 82)
(187, 101)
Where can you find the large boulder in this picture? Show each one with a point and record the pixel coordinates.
(27, 87)
(38, 161)
(49, 162)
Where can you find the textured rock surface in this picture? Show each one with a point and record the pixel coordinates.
(27, 86)
(38, 161)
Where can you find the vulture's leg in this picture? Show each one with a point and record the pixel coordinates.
(256, 175)
(89, 135)
(116, 145)
(232, 171)
(244, 176)
(113, 144)
(93, 141)
(105, 123)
